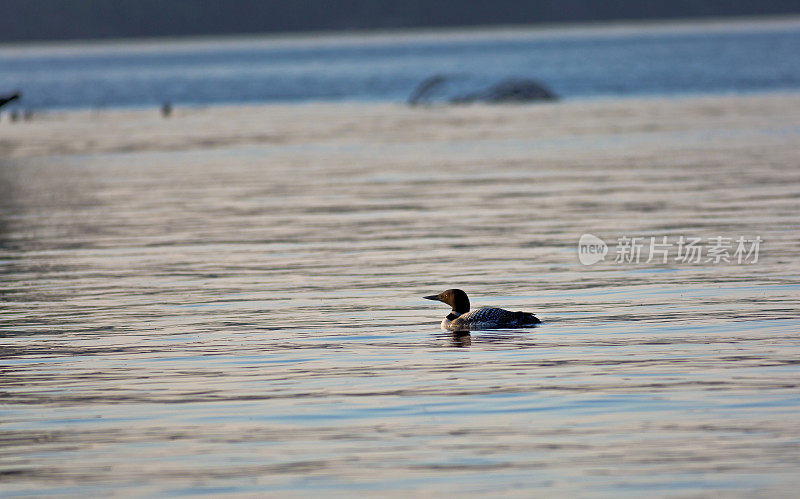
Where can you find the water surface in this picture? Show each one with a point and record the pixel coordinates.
(248, 318)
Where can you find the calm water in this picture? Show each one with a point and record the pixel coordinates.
(574, 63)
(249, 319)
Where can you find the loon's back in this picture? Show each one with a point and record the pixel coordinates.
(489, 318)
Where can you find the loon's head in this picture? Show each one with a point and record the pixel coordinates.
(453, 297)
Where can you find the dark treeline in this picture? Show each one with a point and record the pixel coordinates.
(86, 19)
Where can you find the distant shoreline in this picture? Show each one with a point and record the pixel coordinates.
(300, 104)
(381, 36)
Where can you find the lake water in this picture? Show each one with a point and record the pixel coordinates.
(573, 62)
(247, 318)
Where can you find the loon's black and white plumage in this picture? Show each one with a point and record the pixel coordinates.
(461, 319)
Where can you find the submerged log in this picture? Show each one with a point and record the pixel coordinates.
(510, 90)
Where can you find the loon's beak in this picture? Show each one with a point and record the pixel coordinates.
(432, 297)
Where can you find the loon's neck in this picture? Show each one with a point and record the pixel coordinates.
(453, 315)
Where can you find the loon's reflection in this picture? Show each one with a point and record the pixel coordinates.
(461, 339)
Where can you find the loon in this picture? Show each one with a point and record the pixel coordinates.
(461, 319)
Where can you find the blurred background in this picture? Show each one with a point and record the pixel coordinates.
(331, 51)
